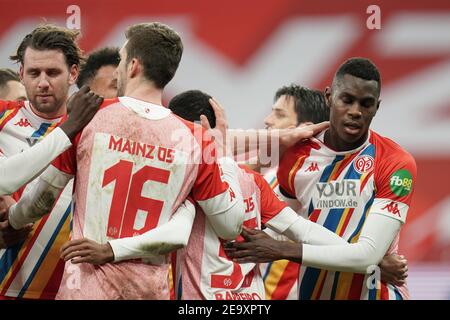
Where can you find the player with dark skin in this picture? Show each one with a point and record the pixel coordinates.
(353, 103)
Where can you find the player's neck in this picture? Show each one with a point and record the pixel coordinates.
(145, 92)
(50, 115)
(334, 142)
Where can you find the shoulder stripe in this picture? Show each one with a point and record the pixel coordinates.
(294, 170)
(6, 116)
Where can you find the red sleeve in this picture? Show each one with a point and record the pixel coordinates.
(395, 177)
(7, 105)
(67, 161)
(291, 161)
(208, 183)
(271, 205)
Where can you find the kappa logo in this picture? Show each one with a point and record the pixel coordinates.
(23, 122)
(364, 164)
(313, 167)
(392, 207)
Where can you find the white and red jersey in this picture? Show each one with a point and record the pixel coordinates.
(338, 190)
(206, 271)
(32, 269)
(135, 163)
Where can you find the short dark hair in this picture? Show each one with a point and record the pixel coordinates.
(97, 59)
(158, 47)
(190, 105)
(361, 68)
(7, 75)
(51, 37)
(309, 104)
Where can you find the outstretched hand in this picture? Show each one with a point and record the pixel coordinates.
(289, 137)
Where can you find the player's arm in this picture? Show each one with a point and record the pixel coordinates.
(170, 236)
(277, 216)
(217, 189)
(39, 201)
(25, 166)
(394, 184)
(238, 142)
(264, 142)
(220, 197)
(377, 234)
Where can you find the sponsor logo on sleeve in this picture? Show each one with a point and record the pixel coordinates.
(401, 182)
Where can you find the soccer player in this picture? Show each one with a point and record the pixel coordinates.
(204, 260)
(245, 281)
(294, 106)
(10, 86)
(98, 72)
(49, 59)
(135, 164)
(39, 156)
(360, 186)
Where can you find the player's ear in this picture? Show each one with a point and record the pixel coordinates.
(21, 73)
(327, 94)
(134, 67)
(73, 74)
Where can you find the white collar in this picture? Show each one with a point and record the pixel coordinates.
(145, 109)
(36, 120)
(320, 138)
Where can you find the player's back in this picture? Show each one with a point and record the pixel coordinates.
(136, 162)
(206, 271)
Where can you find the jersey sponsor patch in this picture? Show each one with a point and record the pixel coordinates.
(401, 182)
(337, 194)
(390, 208)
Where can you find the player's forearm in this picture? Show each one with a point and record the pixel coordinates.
(375, 239)
(25, 166)
(39, 201)
(226, 211)
(169, 237)
(307, 232)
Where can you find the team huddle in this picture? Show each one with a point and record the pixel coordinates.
(108, 194)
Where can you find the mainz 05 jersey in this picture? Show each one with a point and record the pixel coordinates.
(33, 269)
(338, 190)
